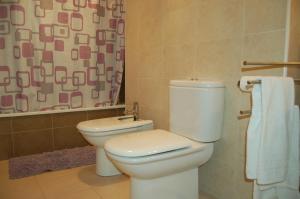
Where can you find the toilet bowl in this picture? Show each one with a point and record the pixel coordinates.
(153, 159)
(173, 170)
(98, 131)
(164, 164)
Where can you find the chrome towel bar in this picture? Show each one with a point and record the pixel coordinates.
(251, 82)
(247, 113)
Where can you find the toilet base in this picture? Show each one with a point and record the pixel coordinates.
(182, 185)
(104, 167)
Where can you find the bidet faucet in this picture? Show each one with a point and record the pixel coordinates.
(135, 111)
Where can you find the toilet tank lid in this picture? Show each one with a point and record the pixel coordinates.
(197, 83)
(111, 124)
(146, 143)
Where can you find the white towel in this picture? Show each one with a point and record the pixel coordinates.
(277, 96)
(289, 188)
(268, 134)
(254, 132)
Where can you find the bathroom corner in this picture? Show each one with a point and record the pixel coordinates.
(204, 40)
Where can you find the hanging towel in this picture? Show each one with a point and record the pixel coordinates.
(269, 138)
(289, 188)
(254, 127)
(277, 96)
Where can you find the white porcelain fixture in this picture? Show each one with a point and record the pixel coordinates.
(98, 131)
(162, 164)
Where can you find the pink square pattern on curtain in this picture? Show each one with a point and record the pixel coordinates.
(69, 55)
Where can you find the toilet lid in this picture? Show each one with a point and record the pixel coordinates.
(111, 124)
(146, 143)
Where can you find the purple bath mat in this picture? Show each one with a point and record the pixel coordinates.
(24, 166)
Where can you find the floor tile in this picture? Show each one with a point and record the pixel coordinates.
(13, 188)
(76, 183)
(115, 187)
(82, 194)
(62, 183)
(52, 175)
(205, 196)
(25, 188)
(3, 168)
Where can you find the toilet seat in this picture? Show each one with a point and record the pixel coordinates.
(180, 147)
(146, 143)
(110, 126)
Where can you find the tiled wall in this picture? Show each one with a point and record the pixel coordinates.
(40, 133)
(180, 39)
(294, 51)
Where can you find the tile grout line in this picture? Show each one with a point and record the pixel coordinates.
(11, 137)
(263, 32)
(40, 187)
(31, 130)
(98, 194)
(52, 133)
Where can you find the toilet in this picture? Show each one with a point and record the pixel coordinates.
(96, 132)
(164, 164)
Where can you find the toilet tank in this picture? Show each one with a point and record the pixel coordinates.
(197, 109)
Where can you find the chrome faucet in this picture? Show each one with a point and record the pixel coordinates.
(135, 111)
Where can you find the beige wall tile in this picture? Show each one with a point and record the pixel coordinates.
(179, 60)
(152, 22)
(133, 25)
(174, 5)
(265, 15)
(151, 63)
(149, 93)
(218, 20)
(294, 49)
(178, 26)
(218, 59)
(264, 47)
(131, 86)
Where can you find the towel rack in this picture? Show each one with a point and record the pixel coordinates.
(247, 113)
(247, 63)
(251, 82)
(263, 65)
(267, 65)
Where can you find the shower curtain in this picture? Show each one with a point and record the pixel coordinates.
(60, 54)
